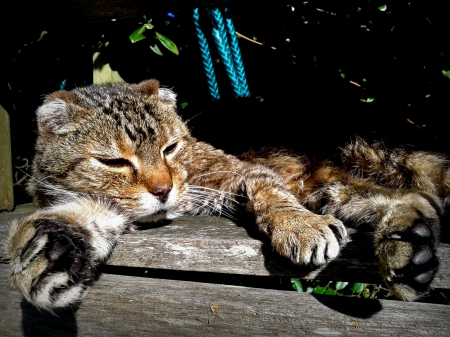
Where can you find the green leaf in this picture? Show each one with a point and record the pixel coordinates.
(156, 50)
(368, 100)
(320, 290)
(382, 8)
(389, 294)
(358, 288)
(342, 75)
(364, 80)
(297, 284)
(137, 34)
(168, 43)
(149, 25)
(446, 73)
(309, 290)
(341, 285)
(185, 104)
(330, 292)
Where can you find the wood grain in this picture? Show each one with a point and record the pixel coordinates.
(6, 176)
(217, 245)
(131, 306)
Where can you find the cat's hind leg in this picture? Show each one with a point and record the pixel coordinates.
(54, 252)
(405, 224)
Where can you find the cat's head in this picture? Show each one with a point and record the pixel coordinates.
(122, 142)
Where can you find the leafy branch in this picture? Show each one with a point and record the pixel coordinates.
(362, 290)
(138, 35)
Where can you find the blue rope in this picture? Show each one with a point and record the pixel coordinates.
(236, 53)
(223, 47)
(206, 58)
(227, 45)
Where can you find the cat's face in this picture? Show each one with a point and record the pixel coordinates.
(125, 143)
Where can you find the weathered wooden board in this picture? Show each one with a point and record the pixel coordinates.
(6, 176)
(131, 306)
(217, 245)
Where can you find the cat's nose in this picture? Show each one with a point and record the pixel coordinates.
(161, 191)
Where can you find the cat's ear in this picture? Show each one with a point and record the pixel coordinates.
(56, 114)
(166, 96)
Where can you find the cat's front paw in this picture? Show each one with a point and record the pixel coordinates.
(405, 245)
(307, 238)
(54, 251)
(51, 264)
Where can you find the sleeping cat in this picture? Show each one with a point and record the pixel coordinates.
(109, 155)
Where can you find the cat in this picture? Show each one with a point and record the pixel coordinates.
(110, 155)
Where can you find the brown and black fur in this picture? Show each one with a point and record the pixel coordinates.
(110, 155)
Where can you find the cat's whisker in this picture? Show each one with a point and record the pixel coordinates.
(218, 196)
(216, 172)
(203, 202)
(212, 189)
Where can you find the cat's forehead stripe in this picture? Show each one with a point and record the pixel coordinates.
(136, 119)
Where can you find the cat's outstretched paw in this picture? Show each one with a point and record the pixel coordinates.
(51, 264)
(405, 245)
(53, 252)
(307, 238)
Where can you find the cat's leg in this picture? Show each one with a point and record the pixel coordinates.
(425, 171)
(295, 232)
(54, 252)
(406, 229)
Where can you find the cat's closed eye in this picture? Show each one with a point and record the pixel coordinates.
(170, 149)
(117, 163)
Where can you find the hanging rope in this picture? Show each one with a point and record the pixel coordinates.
(227, 45)
(236, 53)
(206, 59)
(223, 47)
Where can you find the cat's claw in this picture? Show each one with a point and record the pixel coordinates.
(54, 268)
(307, 238)
(406, 250)
(54, 252)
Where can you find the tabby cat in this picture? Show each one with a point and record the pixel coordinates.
(109, 155)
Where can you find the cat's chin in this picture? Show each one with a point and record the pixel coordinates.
(152, 208)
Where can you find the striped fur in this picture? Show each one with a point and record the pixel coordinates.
(110, 155)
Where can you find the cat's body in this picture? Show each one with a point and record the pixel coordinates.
(107, 156)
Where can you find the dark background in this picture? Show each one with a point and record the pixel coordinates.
(302, 97)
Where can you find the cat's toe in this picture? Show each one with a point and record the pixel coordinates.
(53, 268)
(408, 261)
(309, 239)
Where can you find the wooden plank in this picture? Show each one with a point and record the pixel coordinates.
(217, 245)
(6, 175)
(130, 306)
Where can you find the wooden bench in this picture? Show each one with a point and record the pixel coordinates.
(138, 293)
